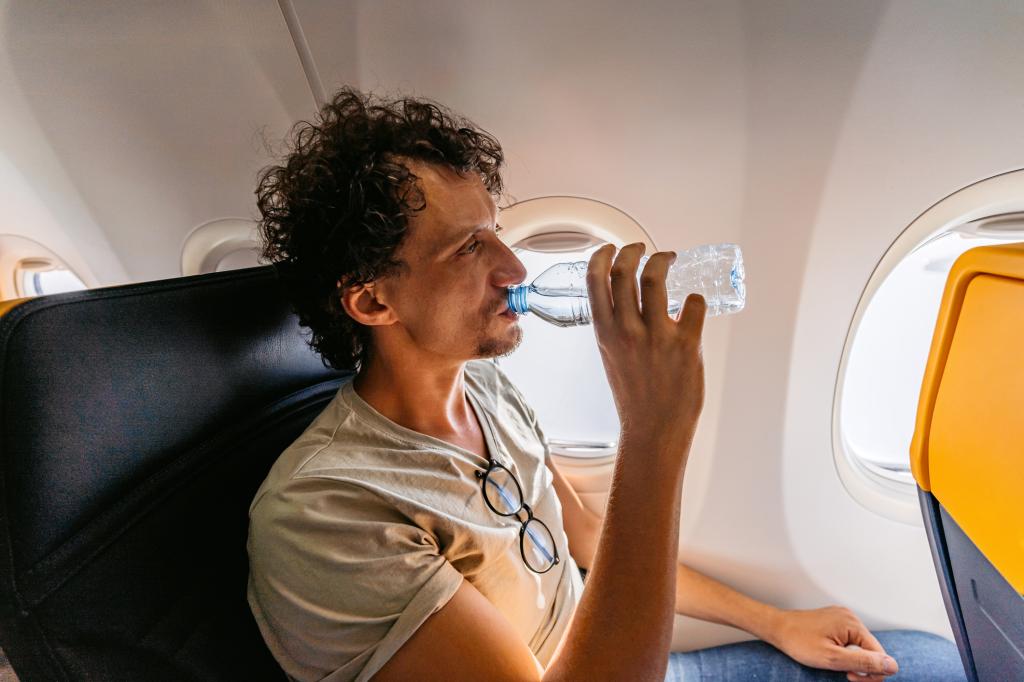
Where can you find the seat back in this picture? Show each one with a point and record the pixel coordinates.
(967, 457)
(137, 423)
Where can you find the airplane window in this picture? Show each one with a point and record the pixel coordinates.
(36, 278)
(887, 357)
(236, 260)
(559, 371)
(218, 245)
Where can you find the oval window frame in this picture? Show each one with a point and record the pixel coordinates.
(990, 199)
(19, 253)
(555, 222)
(561, 214)
(207, 244)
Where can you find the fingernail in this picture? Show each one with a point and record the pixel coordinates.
(889, 666)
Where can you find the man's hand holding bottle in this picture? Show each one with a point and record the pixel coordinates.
(653, 362)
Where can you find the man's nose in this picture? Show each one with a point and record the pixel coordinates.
(510, 270)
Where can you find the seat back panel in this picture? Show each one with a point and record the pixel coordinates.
(991, 607)
(137, 424)
(977, 434)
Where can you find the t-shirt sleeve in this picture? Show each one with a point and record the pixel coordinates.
(338, 579)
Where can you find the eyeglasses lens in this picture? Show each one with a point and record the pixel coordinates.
(502, 492)
(538, 546)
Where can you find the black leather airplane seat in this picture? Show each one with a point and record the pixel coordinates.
(137, 423)
(967, 456)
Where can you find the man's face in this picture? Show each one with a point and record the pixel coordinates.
(450, 297)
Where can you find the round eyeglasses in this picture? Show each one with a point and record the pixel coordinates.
(504, 496)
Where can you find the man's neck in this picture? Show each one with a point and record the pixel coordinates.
(430, 400)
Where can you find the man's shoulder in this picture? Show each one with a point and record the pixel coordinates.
(334, 445)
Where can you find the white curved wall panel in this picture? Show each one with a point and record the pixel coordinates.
(802, 62)
(936, 107)
(155, 112)
(38, 196)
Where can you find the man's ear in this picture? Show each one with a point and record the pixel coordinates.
(365, 304)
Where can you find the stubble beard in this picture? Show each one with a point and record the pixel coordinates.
(490, 347)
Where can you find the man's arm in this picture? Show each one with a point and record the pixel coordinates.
(582, 526)
(817, 638)
(699, 596)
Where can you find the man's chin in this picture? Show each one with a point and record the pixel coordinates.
(499, 347)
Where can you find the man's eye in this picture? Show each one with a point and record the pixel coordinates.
(472, 247)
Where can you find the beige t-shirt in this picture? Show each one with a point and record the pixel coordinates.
(364, 528)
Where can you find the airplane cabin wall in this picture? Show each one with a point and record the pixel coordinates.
(139, 121)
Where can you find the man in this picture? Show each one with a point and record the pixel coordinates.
(418, 528)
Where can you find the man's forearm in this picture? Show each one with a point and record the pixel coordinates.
(638, 545)
(818, 638)
(699, 596)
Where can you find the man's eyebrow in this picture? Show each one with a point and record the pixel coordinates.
(462, 236)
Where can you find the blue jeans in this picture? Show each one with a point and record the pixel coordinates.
(922, 657)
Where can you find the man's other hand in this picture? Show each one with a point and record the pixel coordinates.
(833, 638)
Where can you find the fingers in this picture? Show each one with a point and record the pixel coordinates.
(856, 660)
(598, 288)
(865, 677)
(863, 638)
(691, 320)
(612, 288)
(869, 642)
(625, 298)
(653, 294)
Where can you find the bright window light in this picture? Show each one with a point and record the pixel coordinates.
(56, 281)
(889, 351)
(559, 370)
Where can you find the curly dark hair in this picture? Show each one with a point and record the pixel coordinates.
(338, 207)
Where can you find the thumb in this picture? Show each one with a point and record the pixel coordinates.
(857, 660)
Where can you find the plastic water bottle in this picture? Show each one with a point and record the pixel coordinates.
(715, 271)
